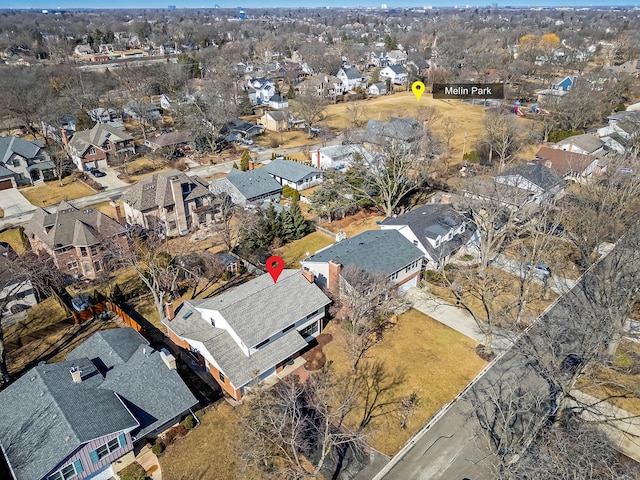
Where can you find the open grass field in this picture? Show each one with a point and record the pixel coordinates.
(51, 193)
(13, 238)
(436, 361)
(144, 166)
(294, 252)
(355, 224)
(215, 438)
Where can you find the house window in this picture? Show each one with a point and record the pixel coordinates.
(394, 276)
(94, 250)
(310, 330)
(68, 471)
(92, 151)
(169, 208)
(108, 448)
(72, 265)
(415, 242)
(97, 266)
(107, 146)
(83, 251)
(223, 379)
(172, 225)
(198, 202)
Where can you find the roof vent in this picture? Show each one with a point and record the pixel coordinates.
(76, 374)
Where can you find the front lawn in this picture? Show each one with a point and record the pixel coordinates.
(292, 253)
(355, 224)
(12, 237)
(51, 193)
(437, 363)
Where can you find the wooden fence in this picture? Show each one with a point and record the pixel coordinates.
(126, 318)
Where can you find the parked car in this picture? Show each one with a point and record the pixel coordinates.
(98, 173)
(81, 302)
(540, 269)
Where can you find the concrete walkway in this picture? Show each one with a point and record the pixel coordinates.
(14, 203)
(455, 318)
(150, 463)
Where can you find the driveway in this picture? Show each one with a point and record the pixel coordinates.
(111, 180)
(559, 284)
(13, 203)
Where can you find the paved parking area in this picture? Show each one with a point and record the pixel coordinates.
(111, 180)
(14, 203)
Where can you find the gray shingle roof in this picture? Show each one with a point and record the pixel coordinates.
(96, 137)
(374, 251)
(537, 174)
(406, 129)
(258, 309)
(289, 170)
(438, 219)
(113, 347)
(10, 146)
(239, 368)
(352, 73)
(155, 191)
(253, 183)
(71, 226)
(398, 69)
(45, 416)
(586, 141)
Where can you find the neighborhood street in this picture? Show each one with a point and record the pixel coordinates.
(557, 284)
(454, 445)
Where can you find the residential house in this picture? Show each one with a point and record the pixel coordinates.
(338, 157)
(438, 230)
(231, 264)
(570, 165)
(278, 102)
(83, 50)
(396, 73)
(104, 115)
(237, 129)
(296, 175)
(631, 67)
(78, 240)
(16, 292)
(26, 160)
(378, 134)
(374, 251)
(378, 88)
(81, 418)
(585, 144)
(351, 78)
(419, 66)
(250, 332)
(247, 187)
(94, 148)
(260, 90)
(146, 113)
(378, 58)
(540, 183)
(558, 89)
(275, 121)
(167, 140)
(52, 125)
(621, 131)
(326, 86)
(171, 201)
(565, 84)
(397, 57)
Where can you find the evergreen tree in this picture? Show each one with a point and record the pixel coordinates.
(287, 228)
(299, 222)
(235, 165)
(244, 161)
(273, 222)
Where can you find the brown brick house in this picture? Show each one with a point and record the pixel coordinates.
(94, 147)
(75, 238)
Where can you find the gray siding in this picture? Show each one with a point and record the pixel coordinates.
(82, 454)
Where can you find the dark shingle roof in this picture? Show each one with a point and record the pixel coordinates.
(253, 183)
(586, 141)
(45, 416)
(374, 251)
(289, 170)
(72, 226)
(430, 221)
(352, 73)
(404, 129)
(10, 146)
(537, 174)
(398, 69)
(97, 136)
(113, 347)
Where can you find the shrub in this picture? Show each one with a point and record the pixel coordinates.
(157, 448)
(621, 107)
(559, 135)
(466, 257)
(226, 275)
(290, 192)
(471, 157)
(433, 276)
(135, 471)
(241, 269)
(450, 266)
(174, 433)
(189, 422)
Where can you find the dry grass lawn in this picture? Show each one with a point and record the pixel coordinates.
(561, 256)
(208, 451)
(355, 224)
(437, 363)
(51, 193)
(144, 166)
(290, 139)
(1, 213)
(292, 253)
(13, 238)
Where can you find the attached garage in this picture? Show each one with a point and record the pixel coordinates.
(6, 184)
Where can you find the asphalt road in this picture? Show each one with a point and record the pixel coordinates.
(519, 389)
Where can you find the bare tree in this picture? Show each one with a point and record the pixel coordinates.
(408, 406)
(503, 137)
(200, 270)
(356, 113)
(310, 107)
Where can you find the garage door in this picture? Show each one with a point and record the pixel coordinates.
(6, 184)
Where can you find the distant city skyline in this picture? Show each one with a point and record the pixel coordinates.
(52, 5)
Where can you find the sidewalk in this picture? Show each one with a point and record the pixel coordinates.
(150, 463)
(455, 318)
(559, 285)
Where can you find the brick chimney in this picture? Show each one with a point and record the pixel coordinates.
(168, 359)
(445, 198)
(251, 164)
(318, 158)
(76, 374)
(169, 312)
(65, 138)
(117, 212)
(333, 283)
(308, 274)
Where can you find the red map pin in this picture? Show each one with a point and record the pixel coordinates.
(275, 265)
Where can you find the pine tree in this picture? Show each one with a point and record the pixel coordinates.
(273, 222)
(235, 165)
(244, 161)
(299, 222)
(287, 228)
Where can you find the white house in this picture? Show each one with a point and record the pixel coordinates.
(378, 88)
(397, 57)
(542, 184)
(351, 78)
(397, 73)
(339, 156)
(260, 91)
(294, 174)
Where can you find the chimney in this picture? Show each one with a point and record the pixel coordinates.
(117, 212)
(308, 274)
(169, 312)
(168, 359)
(318, 158)
(333, 282)
(445, 198)
(76, 374)
(180, 211)
(251, 164)
(65, 138)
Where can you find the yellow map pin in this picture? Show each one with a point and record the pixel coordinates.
(418, 89)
